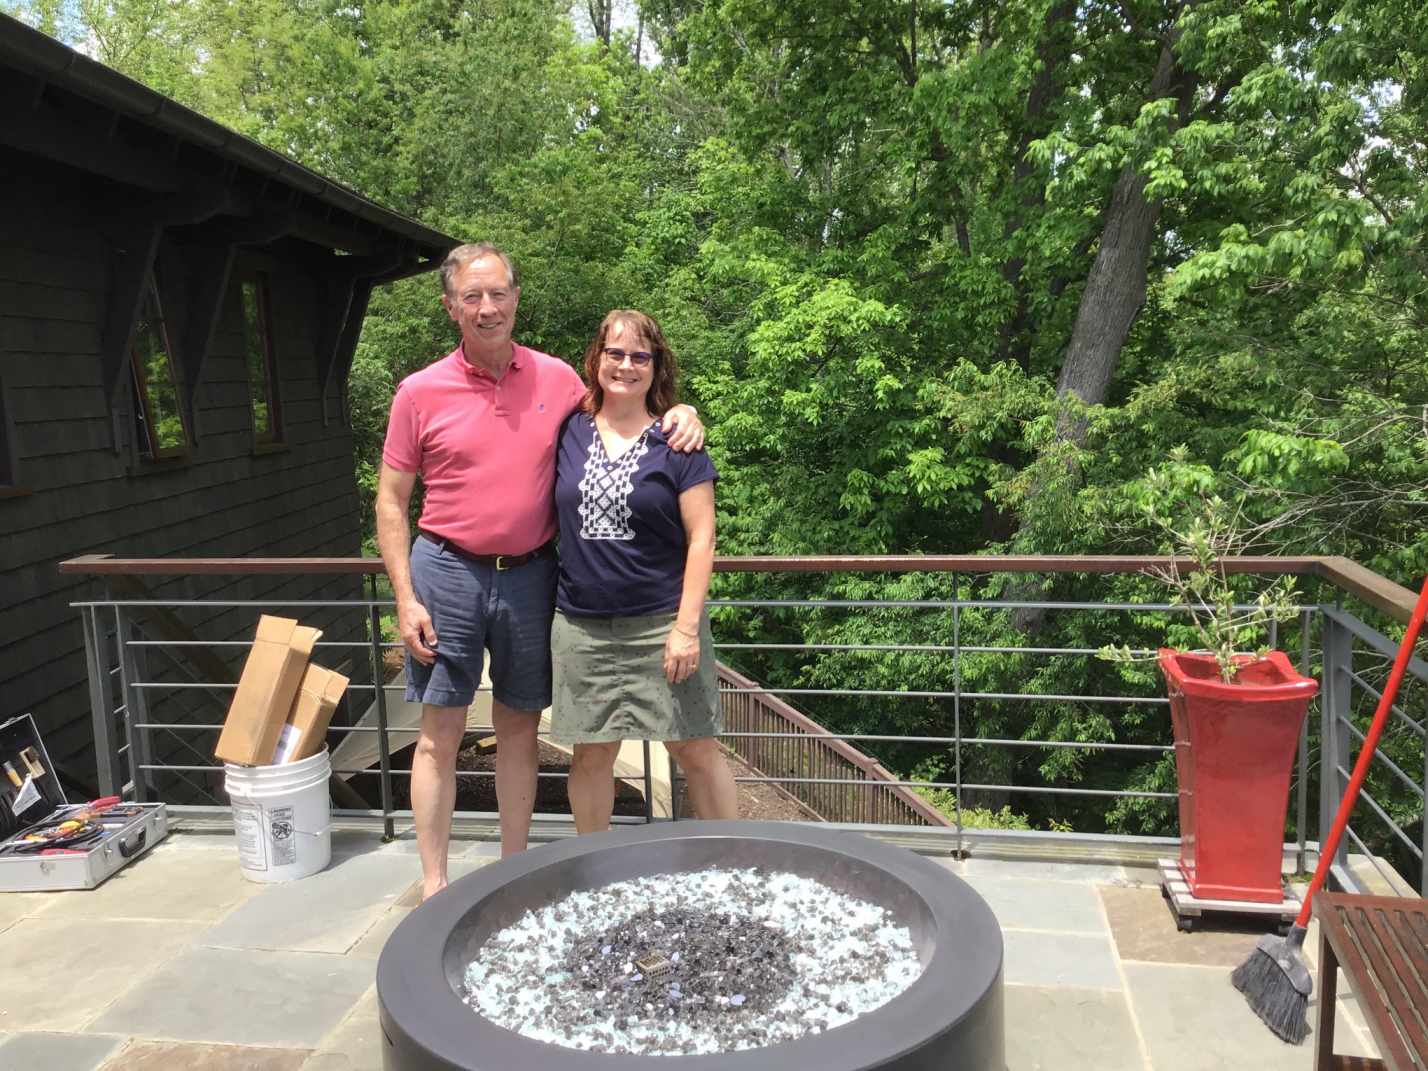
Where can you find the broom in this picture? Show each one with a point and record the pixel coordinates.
(1275, 979)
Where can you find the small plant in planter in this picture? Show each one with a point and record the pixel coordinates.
(1236, 707)
(1234, 632)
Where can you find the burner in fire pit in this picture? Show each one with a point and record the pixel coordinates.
(654, 964)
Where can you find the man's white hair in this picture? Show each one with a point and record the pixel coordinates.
(463, 255)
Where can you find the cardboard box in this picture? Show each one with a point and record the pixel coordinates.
(303, 734)
(265, 693)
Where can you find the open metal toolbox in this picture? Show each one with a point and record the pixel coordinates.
(33, 804)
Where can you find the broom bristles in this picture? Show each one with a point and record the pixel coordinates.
(1272, 994)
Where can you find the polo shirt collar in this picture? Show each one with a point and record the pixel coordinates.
(518, 360)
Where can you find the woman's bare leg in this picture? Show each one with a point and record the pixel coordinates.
(711, 785)
(592, 786)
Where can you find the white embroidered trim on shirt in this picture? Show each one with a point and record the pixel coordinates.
(605, 490)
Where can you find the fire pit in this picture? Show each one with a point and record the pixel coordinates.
(950, 1017)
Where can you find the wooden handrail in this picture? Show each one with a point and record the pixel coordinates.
(1344, 574)
(870, 767)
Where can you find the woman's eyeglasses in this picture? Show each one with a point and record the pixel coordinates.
(638, 358)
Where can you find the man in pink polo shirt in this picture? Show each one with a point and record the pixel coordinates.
(479, 427)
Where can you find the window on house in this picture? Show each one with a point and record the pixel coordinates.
(158, 416)
(262, 362)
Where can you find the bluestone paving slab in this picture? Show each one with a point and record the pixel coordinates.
(60, 970)
(405, 844)
(1053, 959)
(17, 906)
(57, 1052)
(215, 838)
(1194, 1020)
(225, 996)
(355, 1044)
(184, 885)
(169, 1055)
(1033, 870)
(1055, 1029)
(326, 912)
(371, 943)
(347, 844)
(1041, 905)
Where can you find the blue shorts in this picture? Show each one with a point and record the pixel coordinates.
(476, 608)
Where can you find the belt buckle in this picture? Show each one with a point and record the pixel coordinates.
(501, 560)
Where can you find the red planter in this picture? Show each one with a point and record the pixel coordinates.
(1234, 754)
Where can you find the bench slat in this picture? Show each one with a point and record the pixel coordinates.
(1381, 943)
(1399, 981)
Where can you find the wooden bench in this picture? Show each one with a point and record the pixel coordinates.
(1381, 943)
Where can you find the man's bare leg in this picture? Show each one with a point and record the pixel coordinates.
(592, 786)
(517, 759)
(434, 789)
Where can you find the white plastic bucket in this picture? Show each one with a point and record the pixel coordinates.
(282, 818)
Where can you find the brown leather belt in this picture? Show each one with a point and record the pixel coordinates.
(501, 562)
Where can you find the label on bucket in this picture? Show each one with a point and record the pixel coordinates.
(248, 830)
(280, 831)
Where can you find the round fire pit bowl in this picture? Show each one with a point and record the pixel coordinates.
(949, 1018)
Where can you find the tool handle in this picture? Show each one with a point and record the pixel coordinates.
(1330, 847)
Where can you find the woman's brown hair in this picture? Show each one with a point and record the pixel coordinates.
(663, 384)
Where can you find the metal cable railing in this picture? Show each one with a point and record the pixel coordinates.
(151, 731)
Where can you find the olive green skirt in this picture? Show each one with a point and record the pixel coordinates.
(610, 683)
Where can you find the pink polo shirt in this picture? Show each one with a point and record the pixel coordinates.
(485, 449)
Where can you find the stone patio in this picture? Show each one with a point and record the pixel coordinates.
(178, 962)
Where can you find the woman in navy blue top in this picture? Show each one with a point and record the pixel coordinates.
(631, 649)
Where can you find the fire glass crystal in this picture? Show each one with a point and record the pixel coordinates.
(728, 960)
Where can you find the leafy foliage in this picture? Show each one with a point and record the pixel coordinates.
(1212, 531)
(870, 233)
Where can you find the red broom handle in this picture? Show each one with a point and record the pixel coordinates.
(1361, 767)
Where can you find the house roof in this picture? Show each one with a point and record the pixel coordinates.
(49, 63)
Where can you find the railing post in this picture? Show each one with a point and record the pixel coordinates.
(673, 788)
(1423, 867)
(1301, 811)
(957, 704)
(136, 710)
(106, 745)
(379, 684)
(649, 782)
(1334, 742)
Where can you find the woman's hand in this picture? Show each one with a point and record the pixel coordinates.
(681, 654)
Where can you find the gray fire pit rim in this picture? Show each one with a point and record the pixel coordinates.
(417, 1000)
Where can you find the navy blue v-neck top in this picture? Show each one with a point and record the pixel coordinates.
(622, 540)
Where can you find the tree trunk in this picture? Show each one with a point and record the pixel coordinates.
(1115, 288)
(602, 17)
